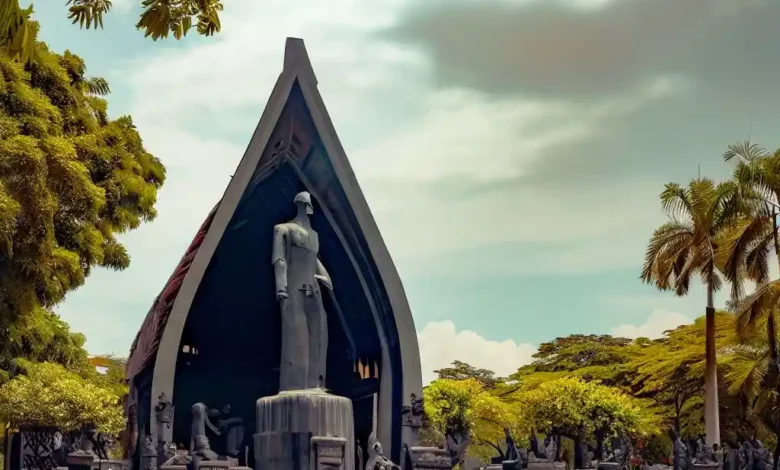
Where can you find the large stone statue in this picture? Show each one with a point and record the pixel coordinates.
(298, 272)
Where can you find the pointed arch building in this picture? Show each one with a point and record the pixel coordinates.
(213, 333)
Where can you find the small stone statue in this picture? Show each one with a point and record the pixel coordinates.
(376, 457)
(232, 429)
(704, 453)
(149, 453)
(201, 450)
(762, 459)
(679, 452)
(298, 273)
(550, 448)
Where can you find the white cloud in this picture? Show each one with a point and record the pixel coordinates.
(441, 344)
(658, 322)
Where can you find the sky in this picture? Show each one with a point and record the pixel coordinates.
(511, 151)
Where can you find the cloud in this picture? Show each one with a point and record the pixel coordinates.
(441, 344)
(658, 322)
(567, 48)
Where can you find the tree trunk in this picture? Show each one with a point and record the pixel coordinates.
(579, 458)
(711, 416)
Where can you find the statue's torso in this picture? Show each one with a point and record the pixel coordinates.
(303, 245)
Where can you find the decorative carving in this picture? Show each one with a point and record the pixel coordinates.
(164, 411)
(149, 453)
(376, 456)
(427, 458)
(39, 449)
(412, 415)
(328, 452)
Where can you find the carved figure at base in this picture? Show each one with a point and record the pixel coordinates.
(761, 458)
(200, 447)
(705, 454)
(230, 428)
(550, 448)
(679, 452)
(376, 456)
(298, 273)
(149, 453)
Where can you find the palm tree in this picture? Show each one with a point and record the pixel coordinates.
(745, 251)
(684, 247)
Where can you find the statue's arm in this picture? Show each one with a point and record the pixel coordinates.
(279, 260)
(323, 276)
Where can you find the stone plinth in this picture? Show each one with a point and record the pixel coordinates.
(430, 458)
(706, 466)
(287, 422)
(545, 465)
(80, 460)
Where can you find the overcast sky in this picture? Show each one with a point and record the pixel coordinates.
(512, 151)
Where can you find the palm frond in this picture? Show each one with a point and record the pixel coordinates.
(88, 13)
(742, 251)
(752, 311)
(98, 86)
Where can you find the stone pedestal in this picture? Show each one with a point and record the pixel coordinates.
(429, 458)
(287, 422)
(80, 461)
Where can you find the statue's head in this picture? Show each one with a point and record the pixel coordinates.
(304, 199)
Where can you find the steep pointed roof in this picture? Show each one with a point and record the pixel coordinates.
(160, 336)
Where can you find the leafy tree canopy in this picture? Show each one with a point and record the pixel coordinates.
(466, 407)
(42, 336)
(159, 19)
(47, 394)
(578, 408)
(462, 371)
(71, 179)
(592, 357)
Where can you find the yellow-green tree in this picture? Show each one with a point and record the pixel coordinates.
(465, 408)
(71, 179)
(583, 410)
(47, 394)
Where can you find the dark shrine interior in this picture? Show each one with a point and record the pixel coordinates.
(230, 348)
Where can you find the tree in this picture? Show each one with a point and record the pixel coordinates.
(465, 408)
(41, 336)
(49, 395)
(686, 246)
(462, 371)
(745, 253)
(591, 357)
(158, 19)
(71, 179)
(580, 410)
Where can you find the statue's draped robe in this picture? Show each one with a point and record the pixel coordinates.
(304, 322)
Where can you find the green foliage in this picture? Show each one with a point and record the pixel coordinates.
(158, 19)
(71, 179)
(578, 408)
(591, 357)
(42, 336)
(462, 371)
(49, 395)
(466, 407)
